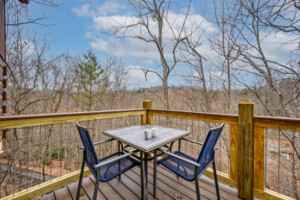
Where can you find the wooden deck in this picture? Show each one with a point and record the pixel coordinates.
(168, 187)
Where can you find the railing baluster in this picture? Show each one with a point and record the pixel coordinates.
(60, 150)
(220, 152)
(293, 167)
(193, 137)
(14, 159)
(41, 155)
(27, 158)
(50, 155)
(266, 160)
(278, 168)
(70, 147)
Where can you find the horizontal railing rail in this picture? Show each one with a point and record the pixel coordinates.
(213, 117)
(292, 124)
(44, 119)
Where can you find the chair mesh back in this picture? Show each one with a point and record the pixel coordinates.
(206, 155)
(90, 154)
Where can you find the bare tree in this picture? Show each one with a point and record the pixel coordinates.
(224, 45)
(255, 60)
(56, 80)
(280, 15)
(118, 76)
(25, 60)
(267, 77)
(153, 26)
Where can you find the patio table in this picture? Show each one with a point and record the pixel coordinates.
(134, 136)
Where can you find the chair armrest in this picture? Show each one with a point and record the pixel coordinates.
(181, 158)
(101, 142)
(193, 141)
(113, 160)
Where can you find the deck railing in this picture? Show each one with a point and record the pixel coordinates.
(41, 152)
(257, 155)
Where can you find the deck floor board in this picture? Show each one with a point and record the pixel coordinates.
(122, 189)
(73, 191)
(62, 193)
(89, 186)
(207, 190)
(129, 188)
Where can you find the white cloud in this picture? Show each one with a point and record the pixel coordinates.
(278, 46)
(89, 35)
(100, 44)
(109, 7)
(140, 50)
(147, 52)
(26, 47)
(136, 77)
(84, 11)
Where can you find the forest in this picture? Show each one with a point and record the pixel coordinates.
(40, 82)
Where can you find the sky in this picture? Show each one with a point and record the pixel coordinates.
(79, 25)
(76, 26)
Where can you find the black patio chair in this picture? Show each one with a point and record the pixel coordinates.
(106, 168)
(188, 167)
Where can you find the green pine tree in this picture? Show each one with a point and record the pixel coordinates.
(92, 82)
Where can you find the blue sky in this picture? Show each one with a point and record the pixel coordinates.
(72, 28)
(76, 26)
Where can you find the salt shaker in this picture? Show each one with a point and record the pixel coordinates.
(154, 132)
(147, 134)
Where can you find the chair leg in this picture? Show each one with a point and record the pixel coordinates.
(216, 180)
(197, 188)
(80, 181)
(179, 147)
(119, 168)
(154, 174)
(96, 185)
(146, 168)
(142, 174)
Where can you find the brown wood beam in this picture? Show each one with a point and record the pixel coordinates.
(148, 117)
(245, 149)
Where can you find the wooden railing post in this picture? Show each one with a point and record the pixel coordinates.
(245, 166)
(259, 158)
(233, 152)
(147, 118)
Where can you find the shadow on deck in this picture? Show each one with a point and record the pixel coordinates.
(168, 187)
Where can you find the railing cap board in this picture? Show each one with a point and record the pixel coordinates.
(8, 122)
(285, 119)
(216, 117)
(277, 122)
(4, 118)
(246, 102)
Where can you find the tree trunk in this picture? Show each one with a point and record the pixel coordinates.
(229, 85)
(206, 94)
(2, 30)
(166, 93)
(3, 55)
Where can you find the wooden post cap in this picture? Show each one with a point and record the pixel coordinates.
(147, 104)
(246, 102)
